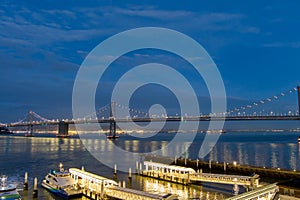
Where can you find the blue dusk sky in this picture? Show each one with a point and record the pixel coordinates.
(255, 44)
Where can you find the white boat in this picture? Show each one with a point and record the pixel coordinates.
(8, 191)
(61, 183)
(215, 131)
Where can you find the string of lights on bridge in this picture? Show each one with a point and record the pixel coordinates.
(132, 110)
(30, 116)
(107, 107)
(261, 102)
(229, 112)
(103, 111)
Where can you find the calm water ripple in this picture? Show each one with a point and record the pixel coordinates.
(38, 155)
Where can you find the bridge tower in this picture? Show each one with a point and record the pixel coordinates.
(30, 124)
(298, 89)
(112, 122)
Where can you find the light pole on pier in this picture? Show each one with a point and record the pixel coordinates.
(298, 89)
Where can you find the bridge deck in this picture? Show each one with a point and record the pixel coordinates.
(143, 119)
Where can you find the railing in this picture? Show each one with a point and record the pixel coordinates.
(251, 181)
(265, 192)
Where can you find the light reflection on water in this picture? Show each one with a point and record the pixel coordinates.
(184, 192)
(279, 150)
(275, 150)
(40, 154)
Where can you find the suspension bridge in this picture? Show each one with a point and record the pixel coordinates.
(107, 115)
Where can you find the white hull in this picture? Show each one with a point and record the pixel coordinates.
(62, 184)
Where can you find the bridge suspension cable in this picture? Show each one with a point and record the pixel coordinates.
(97, 113)
(132, 110)
(106, 109)
(39, 117)
(261, 102)
(29, 118)
(253, 105)
(20, 121)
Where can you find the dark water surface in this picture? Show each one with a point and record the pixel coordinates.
(37, 155)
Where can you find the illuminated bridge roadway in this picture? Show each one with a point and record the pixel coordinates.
(156, 119)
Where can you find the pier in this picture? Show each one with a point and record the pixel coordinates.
(229, 168)
(226, 167)
(185, 175)
(98, 187)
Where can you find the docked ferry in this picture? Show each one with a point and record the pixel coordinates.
(61, 183)
(8, 191)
